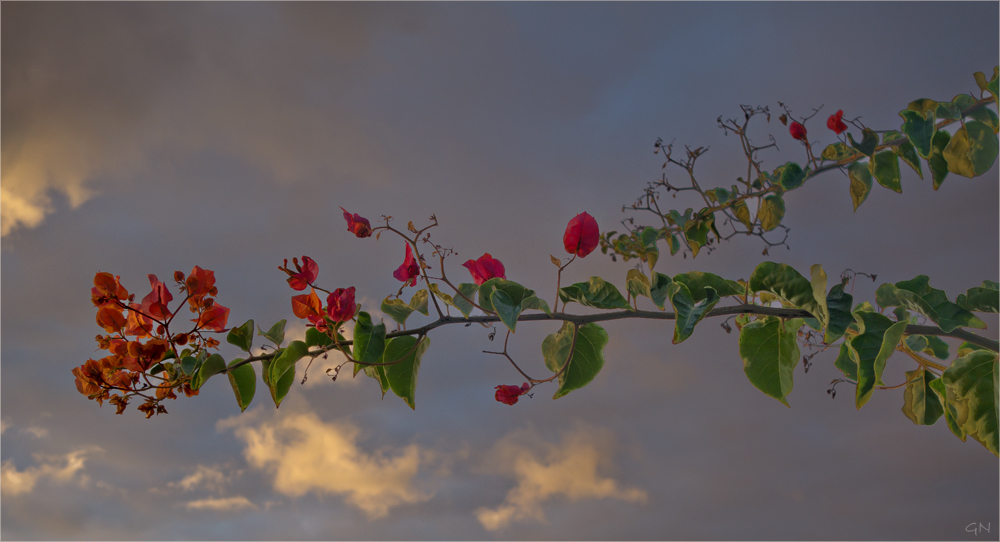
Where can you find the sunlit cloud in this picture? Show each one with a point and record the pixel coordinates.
(203, 477)
(38, 432)
(569, 470)
(304, 454)
(59, 468)
(226, 504)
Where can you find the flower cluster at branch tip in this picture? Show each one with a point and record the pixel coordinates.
(137, 368)
(509, 395)
(340, 306)
(835, 123)
(797, 130)
(582, 235)
(357, 224)
(408, 271)
(302, 277)
(485, 268)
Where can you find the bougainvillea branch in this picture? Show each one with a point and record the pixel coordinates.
(777, 310)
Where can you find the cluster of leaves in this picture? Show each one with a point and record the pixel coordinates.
(775, 310)
(970, 151)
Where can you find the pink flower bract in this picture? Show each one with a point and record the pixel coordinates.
(797, 130)
(340, 304)
(409, 270)
(304, 274)
(509, 395)
(485, 268)
(835, 123)
(581, 235)
(357, 224)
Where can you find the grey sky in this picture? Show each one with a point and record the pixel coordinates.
(151, 137)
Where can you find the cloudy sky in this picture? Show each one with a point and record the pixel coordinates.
(152, 137)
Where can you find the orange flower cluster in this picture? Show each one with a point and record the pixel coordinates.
(134, 367)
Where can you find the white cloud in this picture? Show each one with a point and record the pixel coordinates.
(226, 504)
(59, 468)
(4, 424)
(305, 454)
(38, 432)
(207, 477)
(569, 470)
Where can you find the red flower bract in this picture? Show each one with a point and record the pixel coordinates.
(485, 268)
(340, 304)
(155, 303)
(306, 305)
(581, 235)
(508, 395)
(357, 224)
(797, 130)
(304, 274)
(213, 318)
(835, 123)
(409, 270)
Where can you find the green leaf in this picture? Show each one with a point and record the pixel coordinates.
(986, 116)
(818, 282)
(770, 211)
(402, 376)
(188, 365)
(441, 295)
(936, 347)
(838, 302)
(276, 334)
(280, 388)
(698, 281)
(861, 182)
(648, 238)
(242, 336)
(947, 111)
(285, 359)
(908, 153)
(985, 298)
(919, 130)
(892, 135)
(769, 351)
(923, 106)
(419, 302)
(211, 367)
(505, 308)
(792, 176)
(596, 293)
(917, 295)
(928, 344)
(989, 86)
(885, 167)
(920, 402)
(689, 311)
(697, 230)
(946, 396)
(790, 286)
(973, 381)
(315, 337)
(837, 152)
(244, 382)
(869, 141)
(742, 213)
(972, 149)
(369, 343)
(846, 364)
(674, 244)
(963, 102)
(936, 162)
(637, 284)
(877, 341)
(463, 304)
(534, 302)
(397, 309)
(587, 359)
(659, 289)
